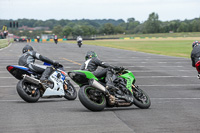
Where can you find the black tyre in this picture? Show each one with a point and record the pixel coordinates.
(92, 98)
(70, 91)
(28, 92)
(141, 99)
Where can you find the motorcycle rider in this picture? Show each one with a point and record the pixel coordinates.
(38, 39)
(91, 64)
(28, 60)
(56, 39)
(195, 54)
(79, 39)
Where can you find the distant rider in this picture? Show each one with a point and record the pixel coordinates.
(56, 39)
(28, 60)
(195, 54)
(91, 64)
(38, 39)
(79, 39)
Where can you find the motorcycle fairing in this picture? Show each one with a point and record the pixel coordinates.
(18, 71)
(130, 79)
(81, 77)
(57, 89)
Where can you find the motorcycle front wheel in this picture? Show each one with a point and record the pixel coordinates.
(141, 99)
(70, 91)
(92, 98)
(28, 92)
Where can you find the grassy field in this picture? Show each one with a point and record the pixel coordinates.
(3, 43)
(178, 47)
(182, 34)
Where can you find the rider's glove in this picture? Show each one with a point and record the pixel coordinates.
(56, 63)
(117, 68)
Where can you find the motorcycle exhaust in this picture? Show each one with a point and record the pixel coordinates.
(97, 85)
(31, 79)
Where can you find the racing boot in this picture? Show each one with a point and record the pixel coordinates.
(110, 85)
(44, 84)
(45, 75)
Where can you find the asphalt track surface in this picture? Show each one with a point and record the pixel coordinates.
(170, 82)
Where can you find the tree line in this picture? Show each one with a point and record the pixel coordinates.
(88, 28)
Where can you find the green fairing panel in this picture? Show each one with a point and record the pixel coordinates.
(129, 78)
(88, 74)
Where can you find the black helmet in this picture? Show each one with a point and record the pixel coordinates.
(26, 48)
(90, 54)
(195, 43)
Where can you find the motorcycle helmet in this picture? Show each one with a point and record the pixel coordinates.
(90, 54)
(195, 43)
(27, 48)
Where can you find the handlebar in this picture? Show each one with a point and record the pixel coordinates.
(58, 67)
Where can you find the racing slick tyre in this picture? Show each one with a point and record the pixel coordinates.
(70, 91)
(141, 99)
(92, 98)
(28, 92)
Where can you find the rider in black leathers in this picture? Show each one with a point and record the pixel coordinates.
(195, 54)
(91, 64)
(28, 60)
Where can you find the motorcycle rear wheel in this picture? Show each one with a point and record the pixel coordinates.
(91, 98)
(27, 93)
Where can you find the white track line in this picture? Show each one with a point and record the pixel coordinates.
(160, 70)
(139, 77)
(154, 66)
(6, 77)
(8, 86)
(171, 85)
(194, 98)
(165, 76)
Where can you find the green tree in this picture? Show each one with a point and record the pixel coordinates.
(183, 27)
(77, 31)
(58, 30)
(129, 20)
(108, 29)
(49, 24)
(119, 30)
(131, 25)
(67, 30)
(152, 25)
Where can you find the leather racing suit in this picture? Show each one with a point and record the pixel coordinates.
(28, 60)
(92, 65)
(195, 55)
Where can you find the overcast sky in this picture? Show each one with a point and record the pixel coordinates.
(99, 9)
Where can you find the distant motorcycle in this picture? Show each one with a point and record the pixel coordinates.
(30, 88)
(79, 43)
(38, 39)
(56, 41)
(95, 96)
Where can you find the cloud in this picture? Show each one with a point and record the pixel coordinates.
(99, 9)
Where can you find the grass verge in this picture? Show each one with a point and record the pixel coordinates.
(170, 47)
(3, 43)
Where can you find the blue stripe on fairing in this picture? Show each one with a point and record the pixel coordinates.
(22, 67)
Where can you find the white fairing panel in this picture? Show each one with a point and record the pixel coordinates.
(58, 89)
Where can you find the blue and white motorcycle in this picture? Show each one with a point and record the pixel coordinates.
(30, 88)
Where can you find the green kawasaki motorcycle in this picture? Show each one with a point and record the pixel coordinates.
(95, 96)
